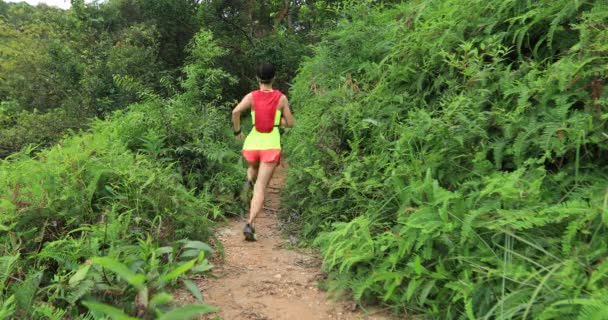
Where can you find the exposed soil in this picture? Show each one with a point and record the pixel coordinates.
(266, 280)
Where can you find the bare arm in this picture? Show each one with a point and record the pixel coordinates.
(236, 113)
(286, 112)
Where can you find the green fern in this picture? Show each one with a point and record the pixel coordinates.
(482, 186)
(81, 290)
(8, 307)
(48, 312)
(26, 291)
(7, 266)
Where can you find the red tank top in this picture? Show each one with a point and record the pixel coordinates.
(265, 104)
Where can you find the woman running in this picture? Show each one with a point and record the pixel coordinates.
(262, 147)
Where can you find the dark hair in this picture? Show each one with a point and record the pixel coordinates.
(265, 73)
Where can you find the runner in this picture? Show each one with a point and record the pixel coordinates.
(262, 147)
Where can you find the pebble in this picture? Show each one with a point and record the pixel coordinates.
(278, 276)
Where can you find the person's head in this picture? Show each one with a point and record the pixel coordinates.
(265, 73)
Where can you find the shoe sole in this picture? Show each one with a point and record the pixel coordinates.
(249, 236)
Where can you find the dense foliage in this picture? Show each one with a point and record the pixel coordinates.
(269, 30)
(58, 69)
(105, 221)
(450, 157)
(61, 68)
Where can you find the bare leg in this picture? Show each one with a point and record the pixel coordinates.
(257, 201)
(252, 172)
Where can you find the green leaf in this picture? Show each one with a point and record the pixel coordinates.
(468, 307)
(148, 182)
(164, 250)
(187, 312)
(205, 266)
(160, 299)
(425, 291)
(26, 290)
(79, 275)
(136, 280)
(191, 286)
(178, 271)
(417, 265)
(110, 311)
(412, 286)
(198, 245)
(83, 288)
(8, 308)
(372, 121)
(7, 264)
(7, 228)
(7, 206)
(190, 253)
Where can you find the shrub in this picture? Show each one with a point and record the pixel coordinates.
(100, 220)
(456, 167)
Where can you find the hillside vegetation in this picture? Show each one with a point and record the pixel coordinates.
(61, 68)
(448, 161)
(117, 156)
(450, 158)
(111, 218)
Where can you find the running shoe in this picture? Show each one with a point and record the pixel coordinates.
(249, 232)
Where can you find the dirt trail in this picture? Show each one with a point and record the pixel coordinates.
(264, 280)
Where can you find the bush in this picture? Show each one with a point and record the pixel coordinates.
(100, 220)
(456, 167)
(84, 197)
(19, 129)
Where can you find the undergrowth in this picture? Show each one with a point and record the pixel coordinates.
(456, 168)
(105, 222)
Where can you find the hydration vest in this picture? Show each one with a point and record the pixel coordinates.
(265, 104)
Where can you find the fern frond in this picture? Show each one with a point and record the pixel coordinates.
(26, 291)
(48, 312)
(83, 288)
(7, 265)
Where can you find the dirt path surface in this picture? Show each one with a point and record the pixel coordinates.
(264, 280)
